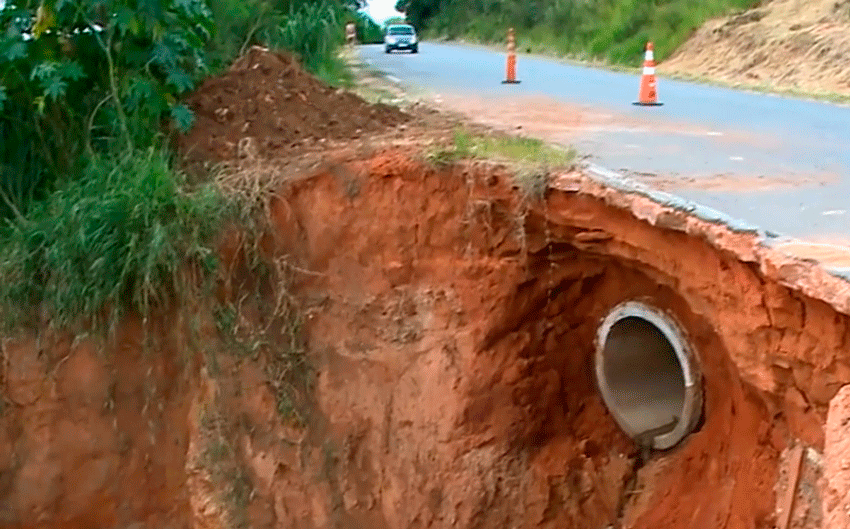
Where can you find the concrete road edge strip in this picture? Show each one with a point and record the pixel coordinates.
(828, 284)
(623, 183)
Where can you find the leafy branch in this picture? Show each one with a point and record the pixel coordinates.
(92, 76)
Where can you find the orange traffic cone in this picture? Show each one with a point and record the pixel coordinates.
(510, 66)
(648, 95)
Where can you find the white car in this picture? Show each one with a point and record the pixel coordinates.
(401, 37)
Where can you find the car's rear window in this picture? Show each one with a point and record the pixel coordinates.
(400, 30)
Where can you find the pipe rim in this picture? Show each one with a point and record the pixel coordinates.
(688, 362)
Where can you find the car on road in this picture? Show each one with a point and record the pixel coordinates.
(401, 37)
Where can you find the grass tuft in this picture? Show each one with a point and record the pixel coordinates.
(531, 158)
(253, 184)
(315, 32)
(115, 238)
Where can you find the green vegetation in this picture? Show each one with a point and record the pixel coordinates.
(395, 20)
(312, 29)
(278, 334)
(611, 30)
(83, 77)
(368, 31)
(115, 237)
(314, 32)
(531, 158)
(512, 149)
(94, 219)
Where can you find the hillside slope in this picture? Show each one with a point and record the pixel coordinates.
(786, 44)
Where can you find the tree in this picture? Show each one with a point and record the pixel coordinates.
(80, 76)
(395, 20)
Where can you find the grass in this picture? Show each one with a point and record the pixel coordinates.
(312, 30)
(505, 148)
(228, 325)
(368, 31)
(287, 369)
(531, 159)
(116, 238)
(277, 336)
(315, 33)
(253, 183)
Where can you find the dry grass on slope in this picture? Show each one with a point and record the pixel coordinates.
(790, 45)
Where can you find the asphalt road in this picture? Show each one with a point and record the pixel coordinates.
(701, 132)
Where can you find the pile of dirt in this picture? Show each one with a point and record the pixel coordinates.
(786, 44)
(269, 97)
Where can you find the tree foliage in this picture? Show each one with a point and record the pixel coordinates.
(368, 31)
(79, 77)
(93, 217)
(83, 76)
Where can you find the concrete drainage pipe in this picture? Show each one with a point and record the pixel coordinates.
(648, 375)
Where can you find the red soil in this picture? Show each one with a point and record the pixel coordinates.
(450, 327)
(267, 96)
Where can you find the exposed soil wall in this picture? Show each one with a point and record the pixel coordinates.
(94, 434)
(449, 326)
(522, 391)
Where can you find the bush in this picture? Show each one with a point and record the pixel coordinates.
(84, 76)
(91, 216)
(240, 24)
(368, 31)
(88, 76)
(312, 30)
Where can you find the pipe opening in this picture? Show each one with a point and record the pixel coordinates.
(647, 375)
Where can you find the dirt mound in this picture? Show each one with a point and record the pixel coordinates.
(787, 44)
(267, 96)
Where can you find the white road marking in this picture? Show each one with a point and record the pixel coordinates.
(834, 212)
(737, 158)
(395, 80)
(713, 133)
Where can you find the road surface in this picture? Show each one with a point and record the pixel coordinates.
(780, 163)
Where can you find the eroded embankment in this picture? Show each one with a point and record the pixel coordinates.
(450, 331)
